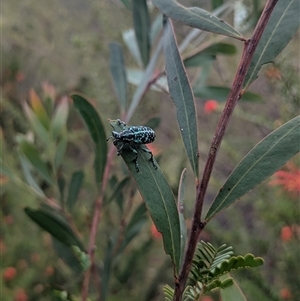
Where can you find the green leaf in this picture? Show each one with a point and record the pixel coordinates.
(144, 83)
(156, 28)
(82, 257)
(195, 17)
(157, 195)
(107, 268)
(141, 21)
(282, 26)
(117, 69)
(221, 93)
(232, 292)
(237, 262)
(182, 95)
(26, 167)
(39, 129)
(39, 109)
(153, 123)
(209, 53)
(134, 226)
(127, 4)
(132, 45)
(74, 188)
(117, 192)
(135, 76)
(198, 60)
(61, 183)
(96, 129)
(261, 162)
(54, 224)
(201, 80)
(60, 117)
(181, 195)
(216, 3)
(67, 256)
(33, 156)
(60, 149)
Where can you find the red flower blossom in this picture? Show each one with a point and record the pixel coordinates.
(286, 233)
(20, 295)
(289, 180)
(210, 106)
(285, 294)
(154, 232)
(9, 273)
(155, 151)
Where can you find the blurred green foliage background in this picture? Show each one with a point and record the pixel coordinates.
(66, 44)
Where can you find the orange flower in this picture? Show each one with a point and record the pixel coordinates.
(20, 295)
(285, 294)
(9, 273)
(49, 271)
(155, 151)
(210, 106)
(289, 180)
(286, 233)
(154, 232)
(273, 72)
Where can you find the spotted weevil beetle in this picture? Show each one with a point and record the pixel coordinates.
(134, 137)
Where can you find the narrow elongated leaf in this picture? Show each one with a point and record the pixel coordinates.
(195, 33)
(67, 255)
(157, 195)
(282, 26)
(147, 76)
(39, 129)
(134, 77)
(209, 53)
(118, 72)
(26, 167)
(141, 21)
(261, 162)
(221, 93)
(156, 28)
(33, 156)
(127, 4)
(134, 226)
(54, 224)
(216, 3)
(195, 17)
(180, 206)
(61, 148)
(117, 192)
(74, 188)
(96, 129)
(39, 109)
(59, 119)
(182, 95)
(132, 45)
(107, 268)
(198, 60)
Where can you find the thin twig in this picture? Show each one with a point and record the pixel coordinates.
(94, 225)
(233, 98)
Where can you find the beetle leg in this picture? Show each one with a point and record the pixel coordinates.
(119, 149)
(135, 159)
(146, 150)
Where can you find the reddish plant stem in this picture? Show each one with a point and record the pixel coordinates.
(233, 98)
(94, 225)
